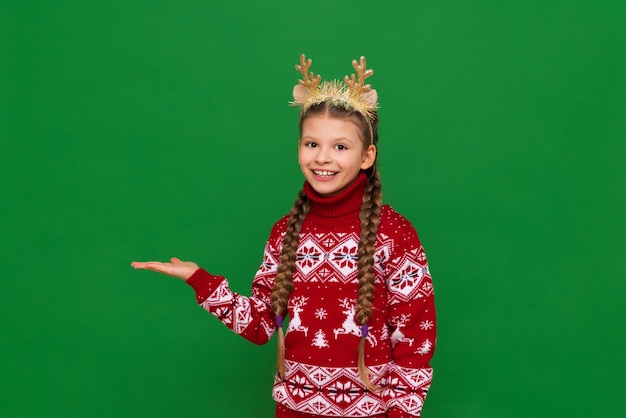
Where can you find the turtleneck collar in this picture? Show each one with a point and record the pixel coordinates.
(347, 202)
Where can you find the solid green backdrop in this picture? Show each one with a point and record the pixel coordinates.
(149, 129)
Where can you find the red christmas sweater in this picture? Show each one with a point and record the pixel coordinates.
(322, 336)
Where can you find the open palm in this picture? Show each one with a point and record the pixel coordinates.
(175, 268)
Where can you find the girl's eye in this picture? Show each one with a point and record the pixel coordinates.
(341, 147)
(310, 144)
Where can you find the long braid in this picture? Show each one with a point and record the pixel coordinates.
(370, 219)
(283, 282)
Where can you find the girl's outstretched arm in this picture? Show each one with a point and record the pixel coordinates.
(249, 316)
(175, 268)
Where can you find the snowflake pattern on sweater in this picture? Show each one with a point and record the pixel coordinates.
(322, 336)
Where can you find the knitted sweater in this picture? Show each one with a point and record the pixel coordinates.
(322, 338)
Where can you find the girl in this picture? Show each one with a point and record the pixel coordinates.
(350, 273)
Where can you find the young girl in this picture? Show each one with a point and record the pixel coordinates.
(350, 273)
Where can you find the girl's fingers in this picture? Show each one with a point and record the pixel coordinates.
(153, 265)
(148, 265)
(176, 268)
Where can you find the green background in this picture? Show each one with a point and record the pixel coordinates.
(136, 130)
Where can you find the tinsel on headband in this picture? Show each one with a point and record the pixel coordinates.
(352, 93)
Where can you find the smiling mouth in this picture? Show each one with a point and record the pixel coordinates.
(324, 173)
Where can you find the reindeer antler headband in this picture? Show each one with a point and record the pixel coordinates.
(352, 93)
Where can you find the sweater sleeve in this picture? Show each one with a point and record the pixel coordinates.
(411, 322)
(251, 317)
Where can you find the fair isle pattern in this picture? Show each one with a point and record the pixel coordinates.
(406, 282)
(332, 257)
(323, 334)
(406, 271)
(329, 391)
(408, 388)
(236, 311)
(328, 257)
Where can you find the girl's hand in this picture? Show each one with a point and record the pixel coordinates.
(176, 268)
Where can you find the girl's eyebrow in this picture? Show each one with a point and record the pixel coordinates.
(341, 138)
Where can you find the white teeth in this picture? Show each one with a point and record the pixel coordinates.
(324, 173)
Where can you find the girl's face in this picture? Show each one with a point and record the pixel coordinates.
(331, 153)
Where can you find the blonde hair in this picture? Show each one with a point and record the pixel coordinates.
(370, 219)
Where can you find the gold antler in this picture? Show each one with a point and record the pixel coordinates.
(309, 80)
(353, 94)
(357, 84)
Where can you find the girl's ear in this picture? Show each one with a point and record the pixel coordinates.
(369, 156)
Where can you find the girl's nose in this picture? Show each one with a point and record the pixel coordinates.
(323, 156)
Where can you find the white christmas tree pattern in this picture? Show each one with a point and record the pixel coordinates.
(320, 340)
(424, 348)
(384, 334)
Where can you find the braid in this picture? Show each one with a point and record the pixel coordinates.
(283, 282)
(370, 219)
